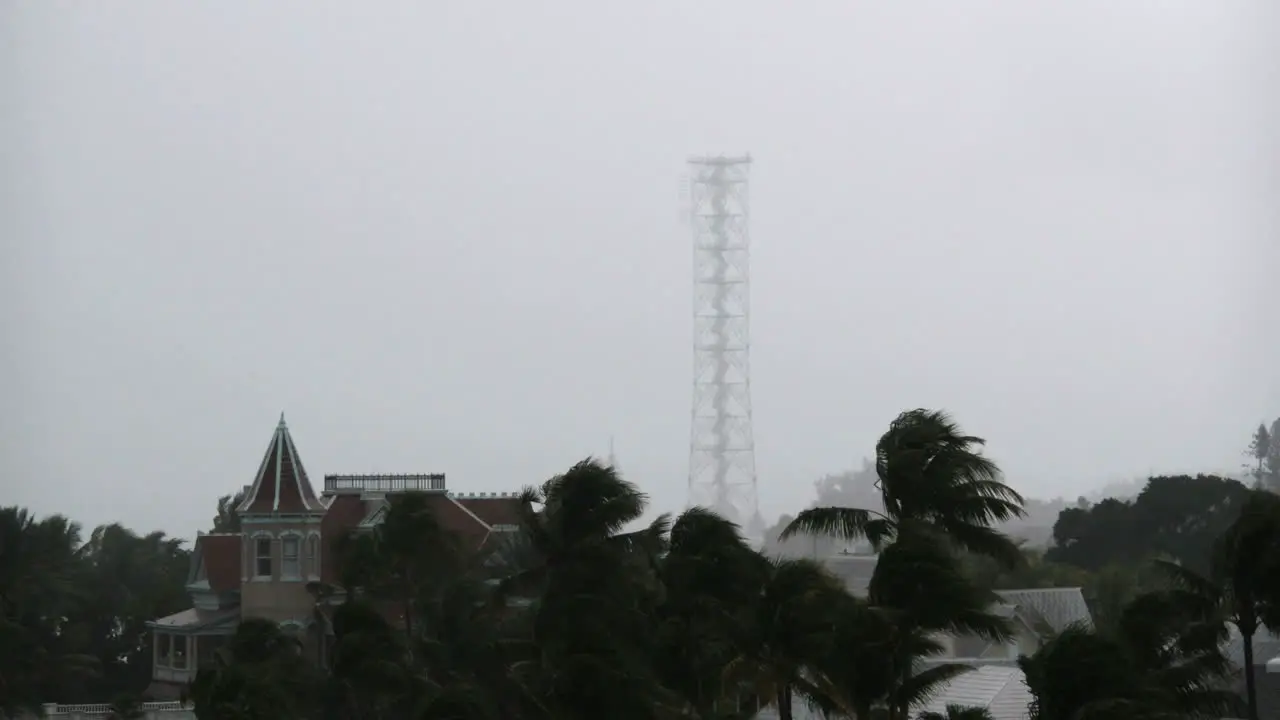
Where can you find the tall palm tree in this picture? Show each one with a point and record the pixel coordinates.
(790, 629)
(885, 648)
(595, 591)
(928, 472)
(1243, 584)
(710, 576)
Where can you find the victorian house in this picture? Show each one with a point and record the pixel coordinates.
(285, 548)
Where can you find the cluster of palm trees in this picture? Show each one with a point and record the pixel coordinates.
(579, 616)
(74, 609)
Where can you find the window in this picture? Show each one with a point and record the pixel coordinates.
(262, 561)
(179, 652)
(163, 642)
(289, 564)
(313, 556)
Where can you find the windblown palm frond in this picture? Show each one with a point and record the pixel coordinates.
(959, 712)
(928, 471)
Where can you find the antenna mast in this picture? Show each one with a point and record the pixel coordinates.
(722, 468)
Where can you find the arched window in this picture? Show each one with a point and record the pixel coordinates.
(291, 557)
(260, 560)
(313, 557)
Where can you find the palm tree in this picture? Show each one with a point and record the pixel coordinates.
(136, 579)
(259, 675)
(370, 672)
(883, 654)
(1158, 665)
(1242, 587)
(928, 472)
(227, 520)
(710, 575)
(41, 573)
(595, 590)
(790, 629)
(388, 562)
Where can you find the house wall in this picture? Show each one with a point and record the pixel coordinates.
(280, 596)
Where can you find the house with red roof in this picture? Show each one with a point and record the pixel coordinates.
(286, 546)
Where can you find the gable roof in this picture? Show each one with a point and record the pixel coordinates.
(1002, 691)
(1057, 607)
(281, 485)
(344, 514)
(216, 561)
(197, 619)
(471, 519)
(460, 519)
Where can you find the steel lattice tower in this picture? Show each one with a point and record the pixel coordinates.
(722, 467)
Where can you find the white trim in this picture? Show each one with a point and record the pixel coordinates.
(299, 474)
(281, 433)
(375, 518)
(468, 511)
(279, 518)
(257, 479)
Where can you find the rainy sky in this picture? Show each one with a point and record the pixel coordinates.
(446, 237)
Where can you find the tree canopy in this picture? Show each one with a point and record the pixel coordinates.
(586, 610)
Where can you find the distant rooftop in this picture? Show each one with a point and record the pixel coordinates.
(354, 484)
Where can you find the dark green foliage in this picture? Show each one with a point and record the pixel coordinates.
(73, 614)
(1177, 517)
(260, 675)
(586, 612)
(227, 521)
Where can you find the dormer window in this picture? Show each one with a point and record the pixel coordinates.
(262, 565)
(290, 558)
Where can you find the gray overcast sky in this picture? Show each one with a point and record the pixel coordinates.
(444, 236)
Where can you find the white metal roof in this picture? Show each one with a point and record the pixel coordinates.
(1001, 690)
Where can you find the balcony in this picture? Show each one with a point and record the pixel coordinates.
(358, 484)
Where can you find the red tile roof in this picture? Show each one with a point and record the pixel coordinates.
(221, 557)
(281, 485)
(493, 510)
(344, 514)
(471, 519)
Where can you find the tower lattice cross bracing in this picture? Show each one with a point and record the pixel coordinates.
(722, 468)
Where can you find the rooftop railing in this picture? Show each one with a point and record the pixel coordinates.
(341, 484)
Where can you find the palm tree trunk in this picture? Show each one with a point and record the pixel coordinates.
(1250, 682)
(784, 702)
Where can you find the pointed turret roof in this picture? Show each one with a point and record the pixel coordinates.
(281, 485)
